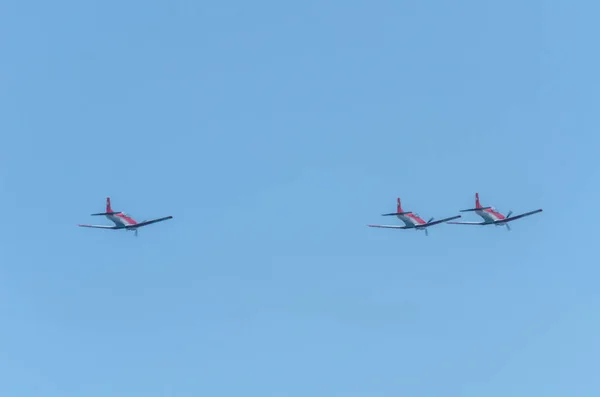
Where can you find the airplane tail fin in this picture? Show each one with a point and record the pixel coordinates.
(399, 210)
(478, 206)
(109, 210)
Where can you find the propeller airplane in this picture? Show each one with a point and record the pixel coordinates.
(122, 221)
(412, 220)
(491, 216)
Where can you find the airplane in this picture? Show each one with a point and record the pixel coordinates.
(412, 220)
(491, 216)
(122, 220)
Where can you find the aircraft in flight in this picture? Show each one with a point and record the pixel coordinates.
(491, 216)
(412, 220)
(122, 220)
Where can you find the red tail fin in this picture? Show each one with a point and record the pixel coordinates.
(108, 208)
(399, 206)
(477, 204)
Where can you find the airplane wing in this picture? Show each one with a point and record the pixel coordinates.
(148, 222)
(512, 218)
(100, 226)
(389, 226)
(469, 223)
(439, 221)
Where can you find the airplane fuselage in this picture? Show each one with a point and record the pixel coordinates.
(121, 220)
(411, 220)
(490, 215)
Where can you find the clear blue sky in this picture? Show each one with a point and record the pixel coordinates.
(273, 133)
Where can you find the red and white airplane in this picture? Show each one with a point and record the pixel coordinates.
(122, 220)
(412, 220)
(491, 216)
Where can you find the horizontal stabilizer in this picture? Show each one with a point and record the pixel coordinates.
(476, 209)
(106, 213)
(397, 213)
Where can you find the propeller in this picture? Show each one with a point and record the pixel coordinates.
(430, 220)
(508, 216)
(426, 232)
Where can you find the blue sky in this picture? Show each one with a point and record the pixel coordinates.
(273, 133)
